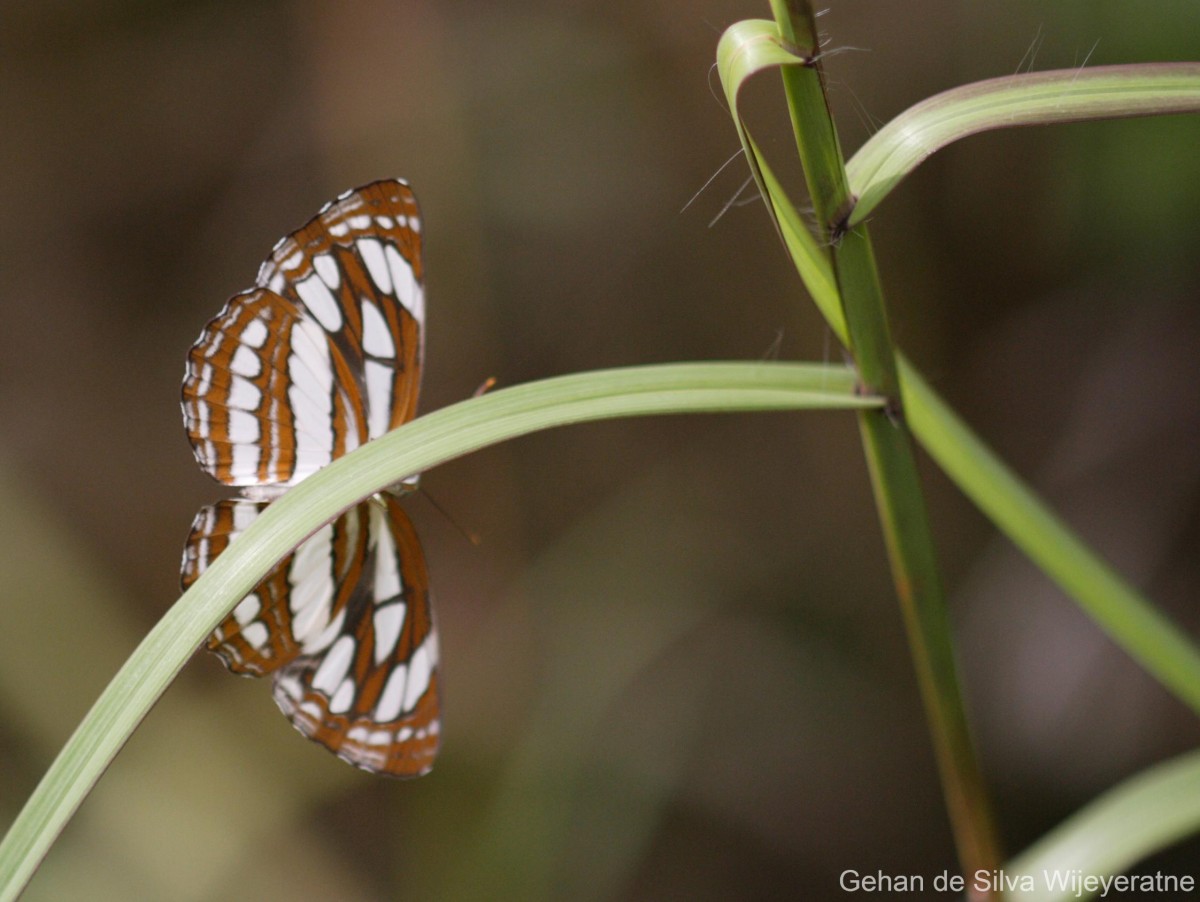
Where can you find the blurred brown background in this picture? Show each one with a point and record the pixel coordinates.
(674, 668)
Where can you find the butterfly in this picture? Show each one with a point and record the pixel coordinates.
(322, 355)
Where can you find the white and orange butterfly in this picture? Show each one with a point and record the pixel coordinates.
(322, 355)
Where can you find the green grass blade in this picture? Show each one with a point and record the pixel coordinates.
(1130, 620)
(1128, 617)
(1034, 98)
(1147, 812)
(745, 49)
(427, 441)
(887, 444)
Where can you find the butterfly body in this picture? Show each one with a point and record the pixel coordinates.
(322, 355)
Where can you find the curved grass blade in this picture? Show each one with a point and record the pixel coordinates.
(420, 444)
(1146, 813)
(1032, 98)
(745, 49)
(1129, 618)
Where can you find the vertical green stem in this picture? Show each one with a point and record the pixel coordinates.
(889, 449)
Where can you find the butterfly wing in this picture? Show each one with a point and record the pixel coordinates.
(371, 695)
(323, 355)
(263, 402)
(257, 637)
(357, 268)
(345, 625)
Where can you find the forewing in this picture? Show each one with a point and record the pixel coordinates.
(263, 401)
(323, 355)
(356, 269)
(371, 695)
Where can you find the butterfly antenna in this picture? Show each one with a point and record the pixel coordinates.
(471, 537)
(772, 351)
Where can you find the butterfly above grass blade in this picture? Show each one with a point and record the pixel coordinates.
(323, 354)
